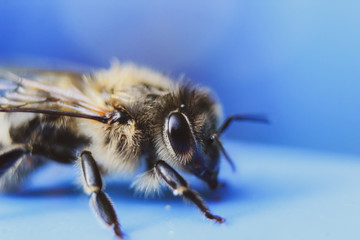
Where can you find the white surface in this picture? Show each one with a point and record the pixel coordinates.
(276, 193)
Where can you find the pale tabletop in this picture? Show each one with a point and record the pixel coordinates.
(276, 193)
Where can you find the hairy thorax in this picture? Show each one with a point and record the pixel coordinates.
(116, 148)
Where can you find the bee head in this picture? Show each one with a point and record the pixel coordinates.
(195, 154)
(190, 129)
(190, 119)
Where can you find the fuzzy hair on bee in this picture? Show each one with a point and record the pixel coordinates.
(110, 122)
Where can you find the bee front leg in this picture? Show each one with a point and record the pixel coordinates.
(10, 156)
(179, 186)
(99, 201)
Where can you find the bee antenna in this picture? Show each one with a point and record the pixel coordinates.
(246, 117)
(216, 139)
(225, 125)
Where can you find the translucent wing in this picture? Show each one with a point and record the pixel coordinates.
(63, 97)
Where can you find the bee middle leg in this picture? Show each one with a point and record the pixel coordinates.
(99, 200)
(179, 186)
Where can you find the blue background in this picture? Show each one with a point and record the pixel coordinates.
(296, 61)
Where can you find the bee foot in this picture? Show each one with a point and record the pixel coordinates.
(119, 234)
(218, 219)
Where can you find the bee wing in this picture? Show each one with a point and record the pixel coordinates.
(21, 94)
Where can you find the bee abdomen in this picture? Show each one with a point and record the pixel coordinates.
(48, 138)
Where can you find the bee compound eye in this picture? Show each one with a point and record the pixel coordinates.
(179, 133)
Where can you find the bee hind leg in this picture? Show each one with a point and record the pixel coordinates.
(99, 201)
(179, 186)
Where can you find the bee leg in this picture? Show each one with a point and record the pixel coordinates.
(9, 157)
(99, 201)
(179, 186)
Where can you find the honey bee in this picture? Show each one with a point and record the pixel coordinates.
(109, 122)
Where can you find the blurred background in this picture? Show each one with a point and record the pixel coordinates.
(296, 61)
